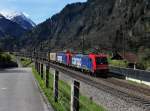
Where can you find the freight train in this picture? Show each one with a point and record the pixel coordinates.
(95, 64)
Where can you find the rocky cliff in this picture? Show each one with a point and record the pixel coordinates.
(109, 24)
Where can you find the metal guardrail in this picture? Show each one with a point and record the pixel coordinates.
(131, 73)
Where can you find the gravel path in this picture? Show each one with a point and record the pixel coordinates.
(109, 101)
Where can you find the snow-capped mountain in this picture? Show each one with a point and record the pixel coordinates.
(10, 28)
(14, 24)
(20, 18)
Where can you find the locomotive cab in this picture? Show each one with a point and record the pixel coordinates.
(100, 63)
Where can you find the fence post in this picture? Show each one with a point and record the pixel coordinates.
(47, 75)
(35, 65)
(75, 96)
(56, 78)
(41, 71)
(39, 68)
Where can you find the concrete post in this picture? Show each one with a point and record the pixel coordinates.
(134, 66)
(56, 78)
(75, 96)
(41, 71)
(47, 75)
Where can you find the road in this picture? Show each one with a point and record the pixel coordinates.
(19, 92)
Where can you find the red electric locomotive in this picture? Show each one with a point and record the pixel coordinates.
(95, 63)
(100, 63)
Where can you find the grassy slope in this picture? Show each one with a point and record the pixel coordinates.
(64, 96)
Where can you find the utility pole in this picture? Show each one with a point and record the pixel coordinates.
(125, 34)
(49, 45)
(83, 48)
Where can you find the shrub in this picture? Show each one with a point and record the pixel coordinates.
(5, 57)
(144, 58)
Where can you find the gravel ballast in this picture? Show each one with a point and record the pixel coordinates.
(107, 100)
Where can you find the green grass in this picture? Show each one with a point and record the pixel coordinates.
(25, 62)
(118, 63)
(88, 105)
(65, 96)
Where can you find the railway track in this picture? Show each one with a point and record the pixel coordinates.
(133, 94)
(135, 87)
(123, 90)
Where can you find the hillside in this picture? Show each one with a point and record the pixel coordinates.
(109, 24)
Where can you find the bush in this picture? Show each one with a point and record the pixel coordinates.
(144, 58)
(140, 66)
(6, 61)
(5, 57)
(22, 59)
(26, 62)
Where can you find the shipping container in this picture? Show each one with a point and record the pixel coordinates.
(76, 60)
(53, 57)
(87, 63)
(62, 58)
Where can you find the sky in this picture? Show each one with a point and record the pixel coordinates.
(36, 10)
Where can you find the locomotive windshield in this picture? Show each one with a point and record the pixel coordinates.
(101, 60)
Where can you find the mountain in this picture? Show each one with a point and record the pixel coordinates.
(107, 24)
(12, 27)
(19, 18)
(1, 33)
(9, 28)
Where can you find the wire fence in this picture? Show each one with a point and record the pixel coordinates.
(64, 96)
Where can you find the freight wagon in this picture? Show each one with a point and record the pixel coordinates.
(64, 58)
